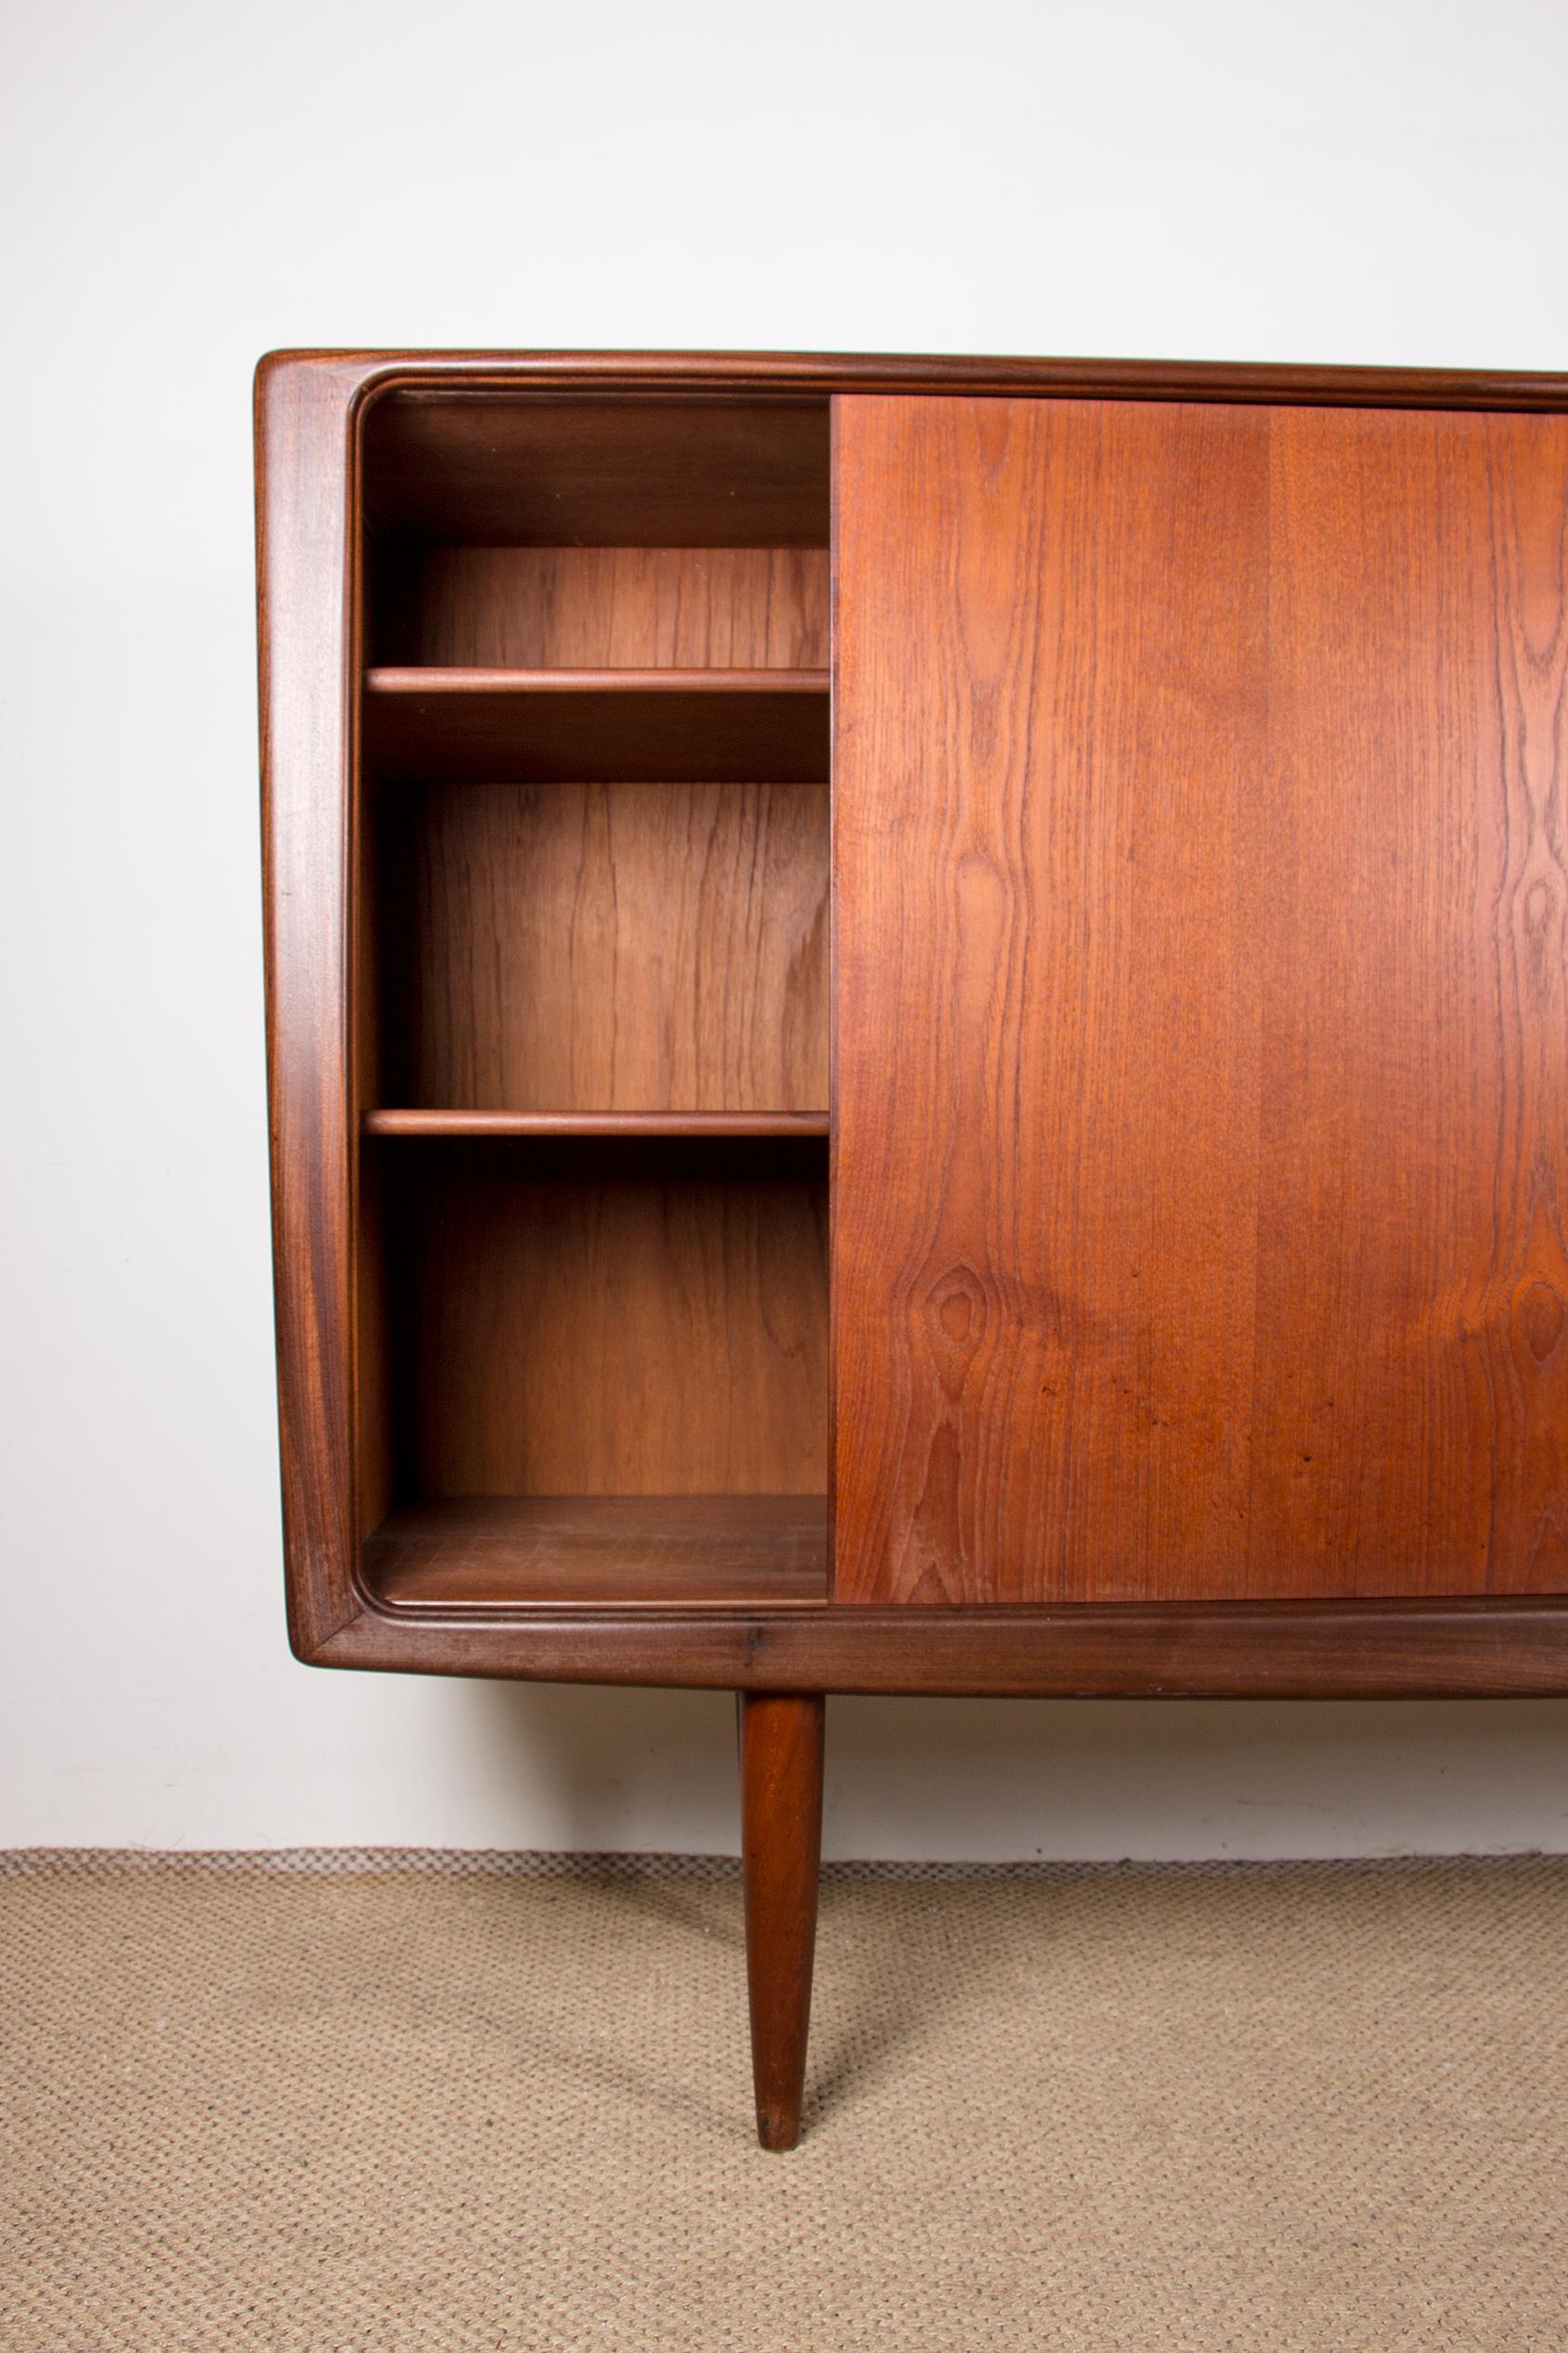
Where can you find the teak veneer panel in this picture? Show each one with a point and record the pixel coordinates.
(1201, 1108)
(605, 608)
(605, 947)
(496, 1552)
(624, 1319)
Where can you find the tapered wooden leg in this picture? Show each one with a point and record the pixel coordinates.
(781, 1858)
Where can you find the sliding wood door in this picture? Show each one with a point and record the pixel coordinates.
(1201, 1094)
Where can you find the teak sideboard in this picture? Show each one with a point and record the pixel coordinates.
(918, 1036)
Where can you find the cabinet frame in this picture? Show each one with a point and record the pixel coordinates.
(311, 410)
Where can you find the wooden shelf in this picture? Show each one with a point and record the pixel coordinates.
(495, 1553)
(432, 678)
(638, 726)
(630, 1123)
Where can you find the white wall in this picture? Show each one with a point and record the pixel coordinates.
(1346, 180)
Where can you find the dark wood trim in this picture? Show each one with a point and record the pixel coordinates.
(797, 372)
(781, 1740)
(307, 575)
(1365, 1650)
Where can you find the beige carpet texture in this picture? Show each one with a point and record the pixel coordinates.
(446, 2102)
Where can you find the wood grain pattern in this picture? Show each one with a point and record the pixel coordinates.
(781, 1737)
(1414, 1106)
(605, 608)
(1201, 1132)
(606, 948)
(425, 726)
(621, 1319)
(509, 1552)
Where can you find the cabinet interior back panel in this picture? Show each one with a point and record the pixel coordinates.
(603, 946)
(617, 1320)
(1201, 1112)
(611, 608)
(536, 467)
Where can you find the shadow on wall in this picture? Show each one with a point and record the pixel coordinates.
(1007, 1780)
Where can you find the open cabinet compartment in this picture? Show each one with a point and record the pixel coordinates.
(592, 963)
(615, 947)
(603, 1370)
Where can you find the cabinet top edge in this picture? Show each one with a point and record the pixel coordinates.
(827, 372)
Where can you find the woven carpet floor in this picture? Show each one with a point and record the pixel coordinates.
(428, 2103)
